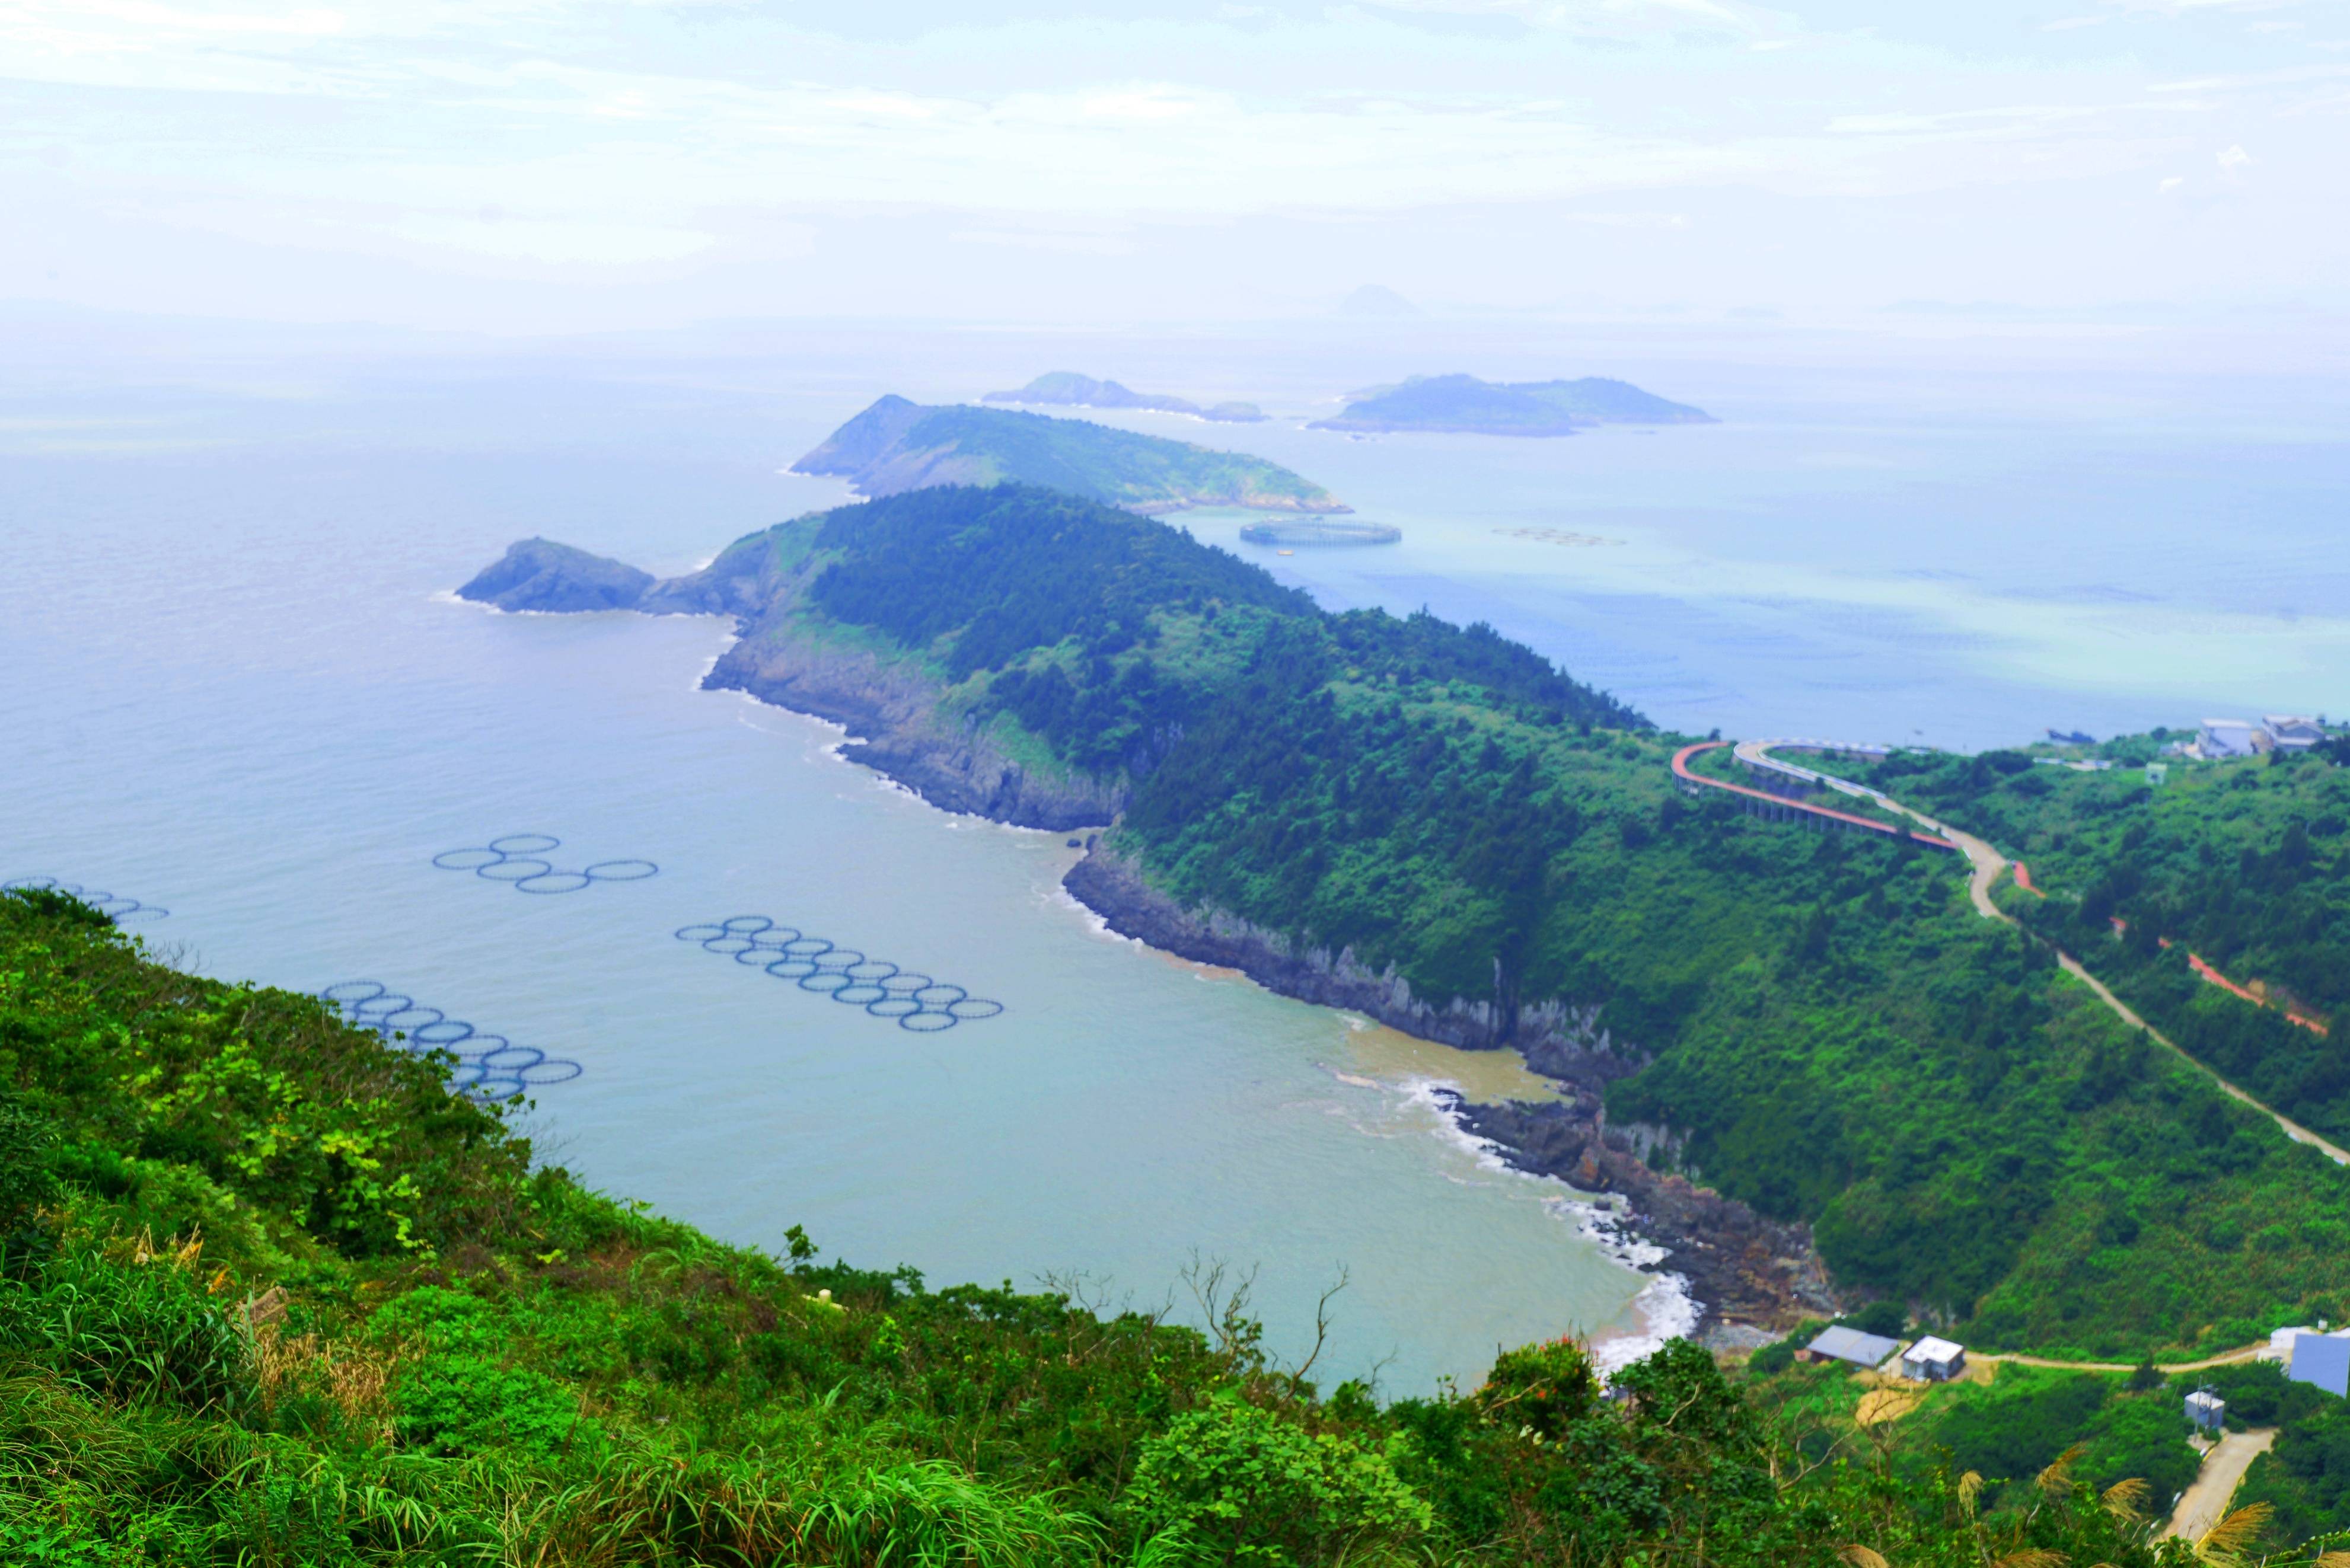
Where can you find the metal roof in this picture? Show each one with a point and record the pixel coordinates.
(1935, 1350)
(1851, 1344)
(2322, 1360)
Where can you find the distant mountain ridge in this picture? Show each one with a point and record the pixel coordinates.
(1464, 403)
(1067, 388)
(898, 445)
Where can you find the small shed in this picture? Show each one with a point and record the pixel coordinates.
(1932, 1360)
(1851, 1344)
(2206, 1410)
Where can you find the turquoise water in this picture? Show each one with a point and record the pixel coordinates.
(237, 687)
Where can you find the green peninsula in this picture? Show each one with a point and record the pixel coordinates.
(896, 446)
(1818, 1073)
(1067, 388)
(1461, 403)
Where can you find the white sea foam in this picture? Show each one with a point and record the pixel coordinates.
(1666, 1308)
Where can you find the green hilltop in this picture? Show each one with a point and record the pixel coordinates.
(896, 446)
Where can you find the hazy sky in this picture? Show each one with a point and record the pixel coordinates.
(556, 163)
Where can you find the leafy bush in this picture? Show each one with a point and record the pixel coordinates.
(1248, 1486)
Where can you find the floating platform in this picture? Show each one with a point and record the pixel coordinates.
(1285, 532)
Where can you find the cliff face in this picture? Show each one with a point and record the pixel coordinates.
(1555, 1038)
(891, 712)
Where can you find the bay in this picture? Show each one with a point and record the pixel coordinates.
(237, 687)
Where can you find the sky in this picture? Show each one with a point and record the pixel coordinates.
(560, 165)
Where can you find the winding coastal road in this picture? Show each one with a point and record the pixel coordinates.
(1778, 802)
(1987, 862)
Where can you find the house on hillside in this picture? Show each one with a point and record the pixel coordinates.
(1932, 1360)
(2220, 739)
(2206, 1410)
(1849, 1345)
(2293, 732)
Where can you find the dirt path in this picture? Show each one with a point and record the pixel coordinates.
(2225, 1358)
(2205, 1502)
(1987, 864)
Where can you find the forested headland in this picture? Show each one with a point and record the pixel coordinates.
(1435, 825)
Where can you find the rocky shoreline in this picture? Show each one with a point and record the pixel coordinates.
(895, 729)
(1753, 1277)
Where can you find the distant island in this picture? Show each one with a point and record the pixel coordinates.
(897, 445)
(1067, 388)
(1463, 403)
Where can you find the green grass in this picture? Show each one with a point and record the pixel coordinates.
(270, 1296)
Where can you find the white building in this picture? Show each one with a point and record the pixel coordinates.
(2206, 1410)
(1932, 1360)
(2223, 738)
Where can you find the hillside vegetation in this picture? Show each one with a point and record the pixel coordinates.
(2243, 865)
(269, 1294)
(1818, 1026)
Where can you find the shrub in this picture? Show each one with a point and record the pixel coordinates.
(453, 1405)
(1544, 1387)
(1253, 1487)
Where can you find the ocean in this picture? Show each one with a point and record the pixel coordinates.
(239, 689)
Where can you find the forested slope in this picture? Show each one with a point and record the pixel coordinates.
(2242, 865)
(1820, 1027)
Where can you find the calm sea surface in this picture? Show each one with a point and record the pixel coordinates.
(235, 686)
